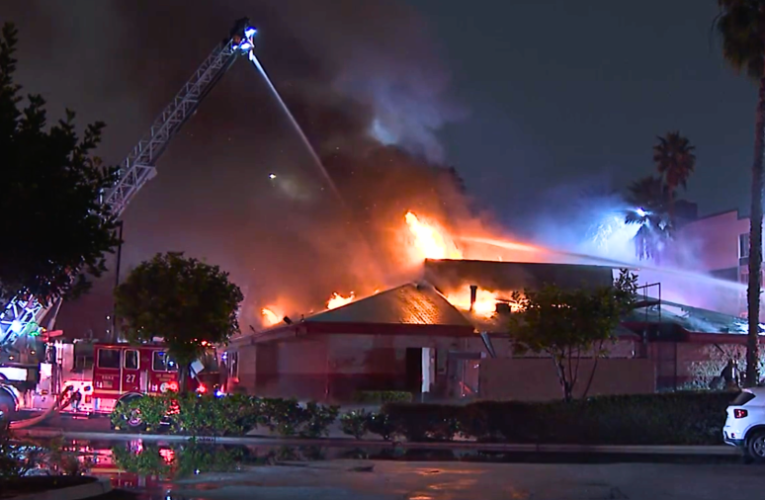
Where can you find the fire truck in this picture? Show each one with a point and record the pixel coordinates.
(119, 372)
(32, 371)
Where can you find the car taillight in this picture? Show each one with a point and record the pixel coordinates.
(740, 413)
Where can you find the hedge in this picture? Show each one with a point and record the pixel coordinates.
(692, 418)
(231, 415)
(382, 397)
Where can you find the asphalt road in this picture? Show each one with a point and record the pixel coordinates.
(339, 480)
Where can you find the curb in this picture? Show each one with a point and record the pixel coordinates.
(712, 450)
(81, 492)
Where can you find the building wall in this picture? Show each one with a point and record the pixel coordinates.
(711, 243)
(528, 379)
(334, 367)
(621, 348)
(679, 364)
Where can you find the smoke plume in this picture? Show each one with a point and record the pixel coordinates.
(363, 80)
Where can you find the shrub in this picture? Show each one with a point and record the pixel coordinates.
(284, 416)
(16, 459)
(355, 423)
(382, 425)
(382, 397)
(423, 422)
(658, 419)
(152, 409)
(317, 420)
(233, 415)
(207, 415)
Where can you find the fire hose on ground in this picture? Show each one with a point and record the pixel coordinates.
(62, 401)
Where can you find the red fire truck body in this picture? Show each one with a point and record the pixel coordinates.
(121, 370)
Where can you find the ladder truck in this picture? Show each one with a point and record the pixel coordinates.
(29, 356)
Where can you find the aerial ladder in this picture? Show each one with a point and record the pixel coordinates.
(22, 316)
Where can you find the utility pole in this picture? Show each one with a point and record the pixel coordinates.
(115, 337)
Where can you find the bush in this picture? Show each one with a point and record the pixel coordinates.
(232, 415)
(657, 419)
(423, 422)
(382, 397)
(152, 410)
(355, 423)
(692, 418)
(317, 420)
(382, 425)
(16, 459)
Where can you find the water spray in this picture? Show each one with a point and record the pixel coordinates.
(317, 161)
(510, 245)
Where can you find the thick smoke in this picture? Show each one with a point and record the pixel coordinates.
(587, 221)
(363, 80)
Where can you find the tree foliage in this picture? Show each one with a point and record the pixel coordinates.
(741, 25)
(675, 161)
(54, 226)
(186, 302)
(567, 324)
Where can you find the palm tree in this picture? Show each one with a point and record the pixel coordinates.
(648, 199)
(675, 161)
(741, 24)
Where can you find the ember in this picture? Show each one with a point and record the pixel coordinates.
(338, 300)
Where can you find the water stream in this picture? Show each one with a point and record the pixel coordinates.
(317, 161)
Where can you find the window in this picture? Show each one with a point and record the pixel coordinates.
(743, 245)
(131, 360)
(162, 362)
(109, 358)
(742, 398)
(82, 363)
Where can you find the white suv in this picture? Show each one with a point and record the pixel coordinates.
(745, 425)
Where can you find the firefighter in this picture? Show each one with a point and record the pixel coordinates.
(76, 400)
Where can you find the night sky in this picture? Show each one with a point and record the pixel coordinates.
(530, 100)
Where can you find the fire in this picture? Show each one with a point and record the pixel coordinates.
(430, 240)
(485, 301)
(338, 300)
(270, 318)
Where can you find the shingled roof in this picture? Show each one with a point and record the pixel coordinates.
(410, 304)
(410, 309)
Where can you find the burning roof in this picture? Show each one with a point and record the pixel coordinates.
(411, 304)
(511, 276)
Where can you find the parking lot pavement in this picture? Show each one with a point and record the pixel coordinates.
(453, 481)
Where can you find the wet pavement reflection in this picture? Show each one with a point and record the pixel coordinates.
(196, 470)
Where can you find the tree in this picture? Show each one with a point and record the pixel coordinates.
(675, 162)
(741, 24)
(567, 325)
(54, 227)
(188, 303)
(649, 198)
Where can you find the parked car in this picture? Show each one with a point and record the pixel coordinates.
(745, 423)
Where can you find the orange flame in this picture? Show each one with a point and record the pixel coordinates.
(338, 300)
(485, 302)
(430, 240)
(270, 318)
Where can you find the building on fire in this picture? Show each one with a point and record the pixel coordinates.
(444, 338)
